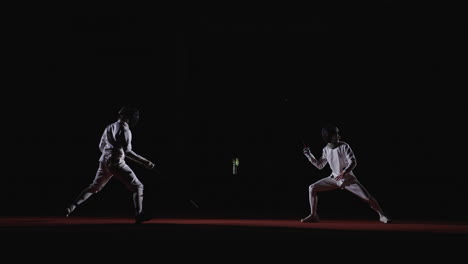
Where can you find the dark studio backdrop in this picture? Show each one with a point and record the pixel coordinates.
(212, 87)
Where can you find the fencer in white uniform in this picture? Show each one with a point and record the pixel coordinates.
(340, 157)
(116, 145)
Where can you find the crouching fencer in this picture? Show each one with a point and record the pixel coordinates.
(341, 159)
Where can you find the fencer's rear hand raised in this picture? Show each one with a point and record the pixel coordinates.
(307, 152)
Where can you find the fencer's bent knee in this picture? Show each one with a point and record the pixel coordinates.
(311, 187)
(140, 187)
(138, 191)
(136, 188)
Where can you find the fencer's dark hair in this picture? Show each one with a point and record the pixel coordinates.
(131, 113)
(328, 131)
(128, 110)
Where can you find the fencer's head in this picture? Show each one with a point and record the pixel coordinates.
(330, 134)
(129, 113)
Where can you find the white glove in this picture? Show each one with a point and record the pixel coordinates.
(149, 165)
(307, 152)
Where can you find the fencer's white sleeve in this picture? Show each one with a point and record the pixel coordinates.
(350, 159)
(321, 162)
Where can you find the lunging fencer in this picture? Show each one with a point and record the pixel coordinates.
(341, 159)
(116, 146)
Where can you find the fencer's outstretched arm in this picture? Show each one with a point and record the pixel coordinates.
(139, 159)
(319, 163)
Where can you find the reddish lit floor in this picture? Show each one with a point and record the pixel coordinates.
(77, 227)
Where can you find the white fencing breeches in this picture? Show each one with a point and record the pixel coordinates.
(350, 184)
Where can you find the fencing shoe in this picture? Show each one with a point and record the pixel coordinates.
(310, 219)
(142, 217)
(69, 210)
(384, 219)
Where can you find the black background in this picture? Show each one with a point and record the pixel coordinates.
(212, 86)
